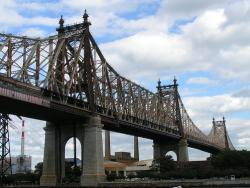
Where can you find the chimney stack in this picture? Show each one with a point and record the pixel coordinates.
(22, 139)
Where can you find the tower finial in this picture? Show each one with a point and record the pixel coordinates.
(175, 81)
(224, 120)
(159, 83)
(85, 16)
(61, 21)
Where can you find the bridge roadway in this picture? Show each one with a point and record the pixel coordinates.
(29, 101)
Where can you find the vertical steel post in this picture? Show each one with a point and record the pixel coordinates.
(60, 61)
(88, 63)
(37, 65)
(225, 134)
(24, 73)
(9, 58)
(177, 109)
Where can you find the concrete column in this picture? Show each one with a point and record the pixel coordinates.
(49, 177)
(63, 162)
(183, 150)
(156, 151)
(136, 148)
(93, 167)
(107, 145)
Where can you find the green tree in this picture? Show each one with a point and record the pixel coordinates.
(231, 159)
(39, 168)
(164, 164)
(72, 173)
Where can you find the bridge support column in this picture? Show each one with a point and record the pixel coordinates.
(161, 149)
(49, 175)
(93, 168)
(156, 151)
(180, 148)
(183, 150)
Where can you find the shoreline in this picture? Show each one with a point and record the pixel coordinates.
(181, 182)
(184, 183)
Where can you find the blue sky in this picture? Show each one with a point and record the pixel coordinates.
(205, 44)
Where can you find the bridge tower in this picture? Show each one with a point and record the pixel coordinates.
(219, 134)
(180, 147)
(88, 131)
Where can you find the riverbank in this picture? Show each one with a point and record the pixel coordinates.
(184, 183)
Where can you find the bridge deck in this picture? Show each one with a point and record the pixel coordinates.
(29, 101)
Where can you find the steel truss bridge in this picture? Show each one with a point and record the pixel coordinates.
(66, 76)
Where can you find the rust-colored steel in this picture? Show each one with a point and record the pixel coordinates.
(72, 68)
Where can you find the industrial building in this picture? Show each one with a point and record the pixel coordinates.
(123, 169)
(21, 164)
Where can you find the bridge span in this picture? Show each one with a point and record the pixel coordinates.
(66, 81)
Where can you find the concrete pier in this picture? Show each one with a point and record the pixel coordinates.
(49, 175)
(160, 149)
(90, 137)
(93, 167)
(183, 150)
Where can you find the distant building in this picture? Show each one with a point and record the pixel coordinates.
(123, 157)
(120, 168)
(20, 164)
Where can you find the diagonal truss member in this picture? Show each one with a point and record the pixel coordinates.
(4, 147)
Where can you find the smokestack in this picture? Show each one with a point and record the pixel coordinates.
(107, 145)
(136, 148)
(22, 139)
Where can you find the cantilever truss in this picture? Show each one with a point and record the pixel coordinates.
(71, 67)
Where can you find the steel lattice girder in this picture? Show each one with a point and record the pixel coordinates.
(5, 160)
(72, 67)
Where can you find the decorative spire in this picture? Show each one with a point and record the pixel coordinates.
(175, 81)
(61, 22)
(85, 16)
(213, 120)
(224, 120)
(159, 83)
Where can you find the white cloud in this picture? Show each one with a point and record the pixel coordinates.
(220, 104)
(243, 93)
(116, 6)
(200, 80)
(234, 15)
(33, 32)
(152, 55)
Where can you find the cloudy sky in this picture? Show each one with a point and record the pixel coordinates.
(205, 44)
